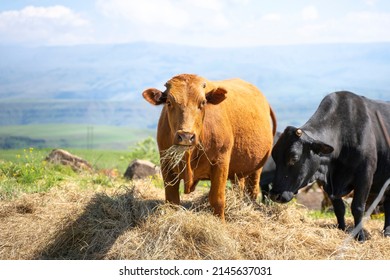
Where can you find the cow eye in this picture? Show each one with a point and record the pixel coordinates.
(202, 104)
(169, 103)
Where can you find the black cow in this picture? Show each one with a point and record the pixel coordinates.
(343, 146)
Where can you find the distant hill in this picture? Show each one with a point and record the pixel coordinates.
(102, 84)
(115, 113)
(80, 136)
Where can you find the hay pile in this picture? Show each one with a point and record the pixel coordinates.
(132, 222)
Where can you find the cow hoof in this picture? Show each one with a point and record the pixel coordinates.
(360, 236)
(386, 232)
(341, 227)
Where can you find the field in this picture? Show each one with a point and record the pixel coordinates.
(61, 214)
(74, 135)
(100, 159)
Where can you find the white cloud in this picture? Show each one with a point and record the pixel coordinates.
(369, 26)
(206, 4)
(272, 17)
(226, 23)
(150, 12)
(310, 13)
(218, 23)
(370, 2)
(59, 14)
(182, 22)
(50, 25)
(166, 13)
(353, 27)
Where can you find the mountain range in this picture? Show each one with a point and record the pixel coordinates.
(102, 84)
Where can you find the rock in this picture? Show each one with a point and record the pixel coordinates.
(312, 200)
(59, 156)
(139, 169)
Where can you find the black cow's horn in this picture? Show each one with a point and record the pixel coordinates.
(298, 132)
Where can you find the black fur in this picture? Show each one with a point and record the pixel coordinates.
(343, 147)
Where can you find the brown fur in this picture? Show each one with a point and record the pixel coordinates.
(233, 134)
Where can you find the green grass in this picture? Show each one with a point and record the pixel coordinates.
(328, 213)
(99, 159)
(104, 159)
(26, 171)
(80, 136)
(318, 214)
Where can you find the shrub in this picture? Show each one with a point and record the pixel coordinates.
(145, 149)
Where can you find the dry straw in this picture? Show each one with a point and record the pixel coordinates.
(133, 222)
(173, 160)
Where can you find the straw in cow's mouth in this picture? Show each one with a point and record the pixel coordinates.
(171, 158)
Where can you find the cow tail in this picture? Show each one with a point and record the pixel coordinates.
(274, 122)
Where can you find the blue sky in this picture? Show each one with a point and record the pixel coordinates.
(215, 23)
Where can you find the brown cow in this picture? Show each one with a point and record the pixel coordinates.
(211, 130)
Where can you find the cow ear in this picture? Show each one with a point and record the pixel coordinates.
(154, 96)
(321, 147)
(216, 96)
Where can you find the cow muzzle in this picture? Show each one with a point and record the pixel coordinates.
(184, 138)
(283, 197)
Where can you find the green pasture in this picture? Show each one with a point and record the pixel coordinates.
(26, 171)
(80, 136)
(100, 159)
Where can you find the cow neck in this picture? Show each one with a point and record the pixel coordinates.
(322, 126)
(324, 172)
(323, 134)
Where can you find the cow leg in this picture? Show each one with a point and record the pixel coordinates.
(357, 212)
(171, 183)
(358, 206)
(339, 211)
(218, 178)
(253, 184)
(386, 206)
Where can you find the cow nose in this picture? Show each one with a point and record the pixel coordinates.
(185, 138)
(283, 197)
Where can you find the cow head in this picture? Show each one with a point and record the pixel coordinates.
(297, 157)
(186, 98)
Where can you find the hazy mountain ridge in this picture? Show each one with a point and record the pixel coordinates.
(102, 84)
(116, 113)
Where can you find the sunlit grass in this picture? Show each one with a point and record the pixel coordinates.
(30, 173)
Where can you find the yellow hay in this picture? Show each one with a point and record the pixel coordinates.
(133, 222)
